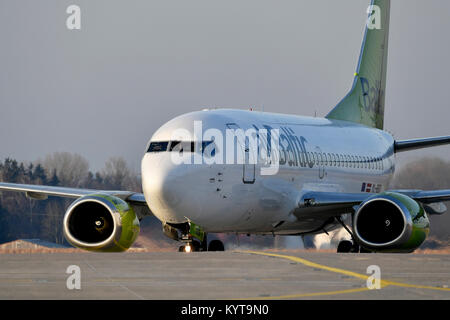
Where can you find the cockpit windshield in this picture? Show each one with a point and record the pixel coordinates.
(181, 146)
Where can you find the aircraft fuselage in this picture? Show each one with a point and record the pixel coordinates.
(315, 154)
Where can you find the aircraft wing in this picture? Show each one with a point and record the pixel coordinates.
(336, 202)
(407, 145)
(427, 197)
(40, 192)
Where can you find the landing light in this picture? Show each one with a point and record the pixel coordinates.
(188, 248)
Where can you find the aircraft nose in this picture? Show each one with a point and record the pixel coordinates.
(164, 187)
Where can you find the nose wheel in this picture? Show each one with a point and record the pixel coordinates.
(197, 246)
(192, 236)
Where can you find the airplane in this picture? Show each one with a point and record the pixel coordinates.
(329, 173)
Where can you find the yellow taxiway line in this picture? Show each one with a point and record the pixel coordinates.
(383, 283)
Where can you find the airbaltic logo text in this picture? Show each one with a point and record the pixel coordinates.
(250, 147)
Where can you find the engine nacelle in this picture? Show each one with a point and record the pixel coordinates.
(101, 222)
(390, 222)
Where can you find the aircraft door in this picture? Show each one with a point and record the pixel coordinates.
(248, 170)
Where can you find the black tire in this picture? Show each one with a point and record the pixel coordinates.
(181, 249)
(196, 245)
(345, 246)
(216, 245)
(355, 248)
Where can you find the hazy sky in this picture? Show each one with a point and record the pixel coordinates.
(103, 90)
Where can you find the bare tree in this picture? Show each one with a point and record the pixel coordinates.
(118, 176)
(71, 169)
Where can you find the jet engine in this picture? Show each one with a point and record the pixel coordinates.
(390, 222)
(101, 222)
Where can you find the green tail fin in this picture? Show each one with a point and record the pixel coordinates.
(365, 101)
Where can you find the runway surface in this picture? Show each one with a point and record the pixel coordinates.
(224, 275)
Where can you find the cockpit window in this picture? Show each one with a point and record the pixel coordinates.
(182, 146)
(158, 146)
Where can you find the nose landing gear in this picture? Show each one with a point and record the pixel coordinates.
(214, 245)
(193, 237)
(197, 246)
(191, 246)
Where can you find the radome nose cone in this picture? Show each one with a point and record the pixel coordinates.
(163, 186)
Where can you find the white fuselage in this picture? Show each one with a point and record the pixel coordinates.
(315, 154)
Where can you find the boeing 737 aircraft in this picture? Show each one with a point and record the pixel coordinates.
(310, 175)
